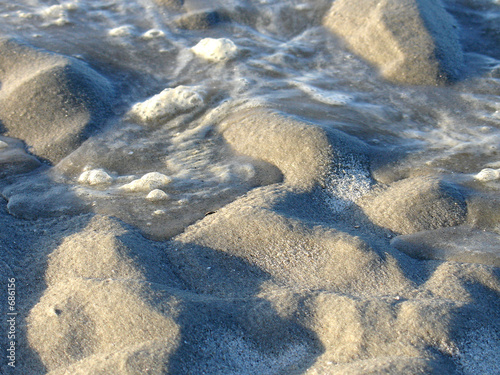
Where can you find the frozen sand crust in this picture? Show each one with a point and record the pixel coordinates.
(410, 41)
(50, 101)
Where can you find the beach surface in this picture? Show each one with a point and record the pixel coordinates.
(250, 187)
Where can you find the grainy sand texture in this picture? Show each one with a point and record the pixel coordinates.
(250, 187)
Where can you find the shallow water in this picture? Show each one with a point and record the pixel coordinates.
(284, 60)
(215, 132)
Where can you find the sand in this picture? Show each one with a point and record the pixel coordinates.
(50, 101)
(323, 260)
(272, 282)
(411, 41)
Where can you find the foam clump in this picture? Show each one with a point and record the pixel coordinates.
(410, 41)
(148, 182)
(157, 195)
(121, 31)
(76, 99)
(153, 34)
(58, 15)
(216, 50)
(416, 204)
(458, 244)
(488, 174)
(167, 104)
(95, 177)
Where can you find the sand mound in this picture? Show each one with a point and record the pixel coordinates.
(277, 281)
(314, 257)
(75, 101)
(416, 204)
(483, 210)
(114, 304)
(410, 41)
(282, 245)
(95, 302)
(201, 20)
(398, 332)
(362, 305)
(305, 153)
(271, 283)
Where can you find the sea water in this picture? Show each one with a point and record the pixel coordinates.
(159, 156)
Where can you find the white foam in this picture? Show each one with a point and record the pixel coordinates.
(488, 174)
(153, 34)
(126, 30)
(3, 145)
(157, 195)
(58, 15)
(168, 103)
(148, 182)
(217, 50)
(324, 96)
(95, 177)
